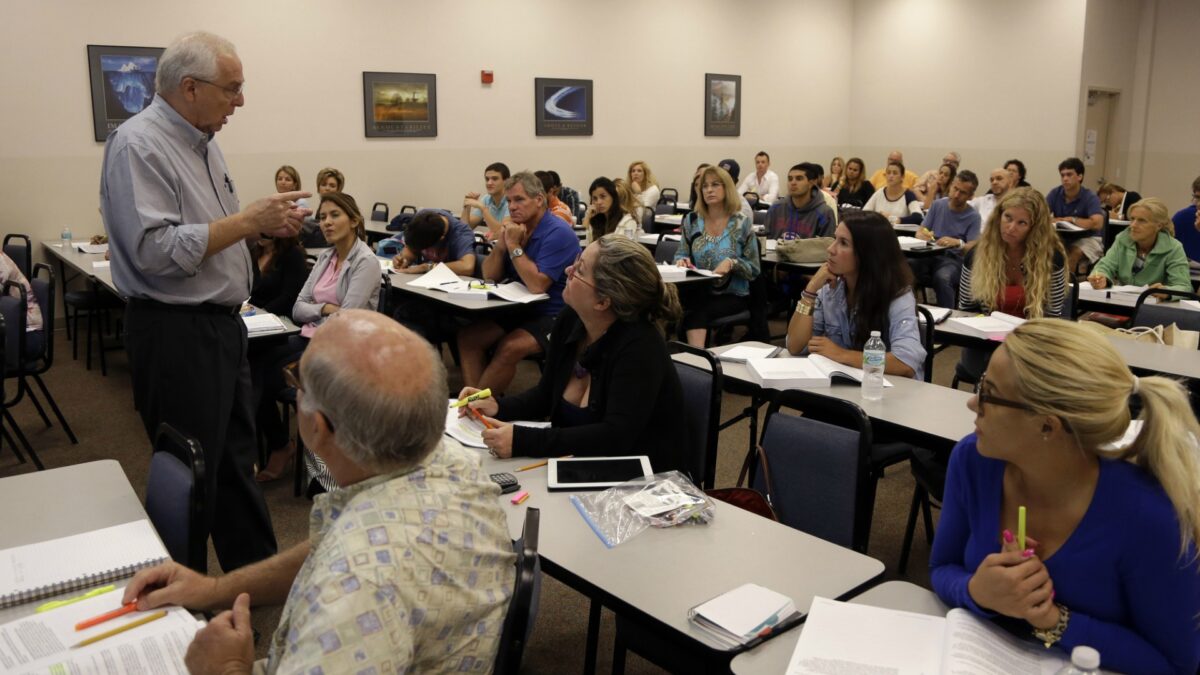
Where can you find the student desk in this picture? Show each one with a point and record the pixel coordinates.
(913, 411)
(1121, 303)
(102, 497)
(661, 573)
(81, 264)
(669, 219)
(774, 655)
(400, 281)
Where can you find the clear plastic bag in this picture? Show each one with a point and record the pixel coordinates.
(620, 513)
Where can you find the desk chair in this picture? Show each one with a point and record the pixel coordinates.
(927, 333)
(817, 467)
(1165, 314)
(4, 435)
(1070, 310)
(96, 305)
(665, 206)
(701, 412)
(175, 497)
(664, 250)
(34, 366)
(379, 212)
(18, 247)
(12, 311)
(648, 219)
(929, 474)
(522, 607)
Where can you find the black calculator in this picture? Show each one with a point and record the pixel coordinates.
(507, 482)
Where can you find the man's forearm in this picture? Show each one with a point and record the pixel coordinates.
(226, 232)
(531, 276)
(267, 581)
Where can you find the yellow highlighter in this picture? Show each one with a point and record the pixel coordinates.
(55, 604)
(1021, 526)
(486, 393)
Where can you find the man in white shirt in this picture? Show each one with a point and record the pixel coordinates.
(1001, 183)
(763, 182)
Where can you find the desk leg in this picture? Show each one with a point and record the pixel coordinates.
(593, 638)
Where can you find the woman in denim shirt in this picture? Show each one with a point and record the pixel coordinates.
(865, 285)
(720, 239)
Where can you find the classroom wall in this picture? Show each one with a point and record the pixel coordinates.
(1110, 46)
(1167, 123)
(303, 64)
(992, 80)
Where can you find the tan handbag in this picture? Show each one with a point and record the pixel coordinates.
(812, 250)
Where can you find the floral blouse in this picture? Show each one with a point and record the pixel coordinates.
(736, 242)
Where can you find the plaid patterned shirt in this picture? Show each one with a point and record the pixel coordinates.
(409, 572)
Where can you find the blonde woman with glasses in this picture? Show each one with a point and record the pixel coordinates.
(1110, 560)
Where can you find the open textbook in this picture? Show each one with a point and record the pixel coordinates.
(851, 639)
(677, 273)
(800, 373)
(46, 642)
(441, 278)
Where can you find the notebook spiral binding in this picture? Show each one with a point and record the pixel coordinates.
(78, 583)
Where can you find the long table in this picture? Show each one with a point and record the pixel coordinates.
(661, 573)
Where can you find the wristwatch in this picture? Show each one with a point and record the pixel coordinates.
(1054, 634)
(516, 253)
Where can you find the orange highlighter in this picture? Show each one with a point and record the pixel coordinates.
(479, 416)
(122, 611)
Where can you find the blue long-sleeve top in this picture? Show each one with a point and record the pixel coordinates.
(1131, 595)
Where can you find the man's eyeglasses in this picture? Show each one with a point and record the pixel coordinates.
(986, 397)
(573, 271)
(233, 92)
(291, 377)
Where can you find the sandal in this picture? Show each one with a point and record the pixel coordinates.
(277, 463)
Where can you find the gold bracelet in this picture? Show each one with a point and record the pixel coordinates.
(804, 308)
(1052, 635)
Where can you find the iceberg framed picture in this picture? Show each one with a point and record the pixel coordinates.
(562, 107)
(400, 105)
(122, 83)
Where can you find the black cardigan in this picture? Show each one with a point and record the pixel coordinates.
(276, 290)
(635, 392)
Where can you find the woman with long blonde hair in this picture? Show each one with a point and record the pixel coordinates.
(1109, 558)
(643, 183)
(836, 178)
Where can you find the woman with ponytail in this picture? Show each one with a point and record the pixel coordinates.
(608, 385)
(1110, 560)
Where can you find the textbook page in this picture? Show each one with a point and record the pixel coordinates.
(42, 642)
(515, 291)
(830, 367)
(469, 431)
(973, 647)
(262, 322)
(851, 639)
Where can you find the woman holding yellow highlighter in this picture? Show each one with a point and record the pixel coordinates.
(1114, 562)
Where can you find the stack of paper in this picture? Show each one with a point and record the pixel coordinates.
(743, 614)
(744, 353)
(1067, 226)
(672, 272)
(262, 323)
(995, 326)
(912, 242)
(91, 248)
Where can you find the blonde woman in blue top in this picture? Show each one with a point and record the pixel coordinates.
(720, 238)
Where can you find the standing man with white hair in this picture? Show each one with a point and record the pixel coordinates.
(178, 241)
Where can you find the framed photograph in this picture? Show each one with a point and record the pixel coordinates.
(122, 83)
(722, 105)
(562, 107)
(400, 105)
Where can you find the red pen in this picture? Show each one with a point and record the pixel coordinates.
(479, 416)
(88, 623)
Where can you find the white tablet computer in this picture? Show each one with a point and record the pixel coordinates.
(595, 473)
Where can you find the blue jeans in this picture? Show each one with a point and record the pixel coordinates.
(941, 272)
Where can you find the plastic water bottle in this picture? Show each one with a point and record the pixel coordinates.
(631, 229)
(1084, 661)
(66, 237)
(874, 355)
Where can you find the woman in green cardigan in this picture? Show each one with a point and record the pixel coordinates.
(1145, 254)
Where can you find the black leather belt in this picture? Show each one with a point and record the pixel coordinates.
(203, 308)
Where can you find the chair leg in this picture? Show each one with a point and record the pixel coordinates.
(618, 661)
(954, 382)
(928, 515)
(4, 435)
(37, 405)
(24, 441)
(910, 528)
(100, 331)
(87, 347)
(74, 319)
(54, 408)
(593, 638)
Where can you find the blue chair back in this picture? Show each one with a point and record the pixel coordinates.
(42, 283)
(1165, 313)
(702, 387)
(17, 247)
(522, 607)
(175, 497)
(818, 475)
(664, 251)
(12, 309)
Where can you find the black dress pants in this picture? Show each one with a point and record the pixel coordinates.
(190, 370)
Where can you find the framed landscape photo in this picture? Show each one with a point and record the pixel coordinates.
(122, 83)
(400, 105)
(722, 105)
(562, 107)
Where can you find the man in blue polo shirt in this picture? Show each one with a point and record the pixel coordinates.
(1075, 204)
(535, 247)
(1187, 228)
(950, 222)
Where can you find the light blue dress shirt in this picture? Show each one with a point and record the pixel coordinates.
(832, 319)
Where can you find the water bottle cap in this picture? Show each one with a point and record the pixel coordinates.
(875, 333)
(1085, 658)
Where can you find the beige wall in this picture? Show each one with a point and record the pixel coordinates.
(1109, 61)
(1169, 122)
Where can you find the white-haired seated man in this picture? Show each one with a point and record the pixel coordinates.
(408, 567)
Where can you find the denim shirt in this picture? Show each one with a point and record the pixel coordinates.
(737, 242)
(831, 319)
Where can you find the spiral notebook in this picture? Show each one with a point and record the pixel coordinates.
(80, 561)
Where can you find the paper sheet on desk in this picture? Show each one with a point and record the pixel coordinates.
(41, 643)
(91, 248)
(469, 431)
(438, 278)
(912, 242)
(100, 265)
